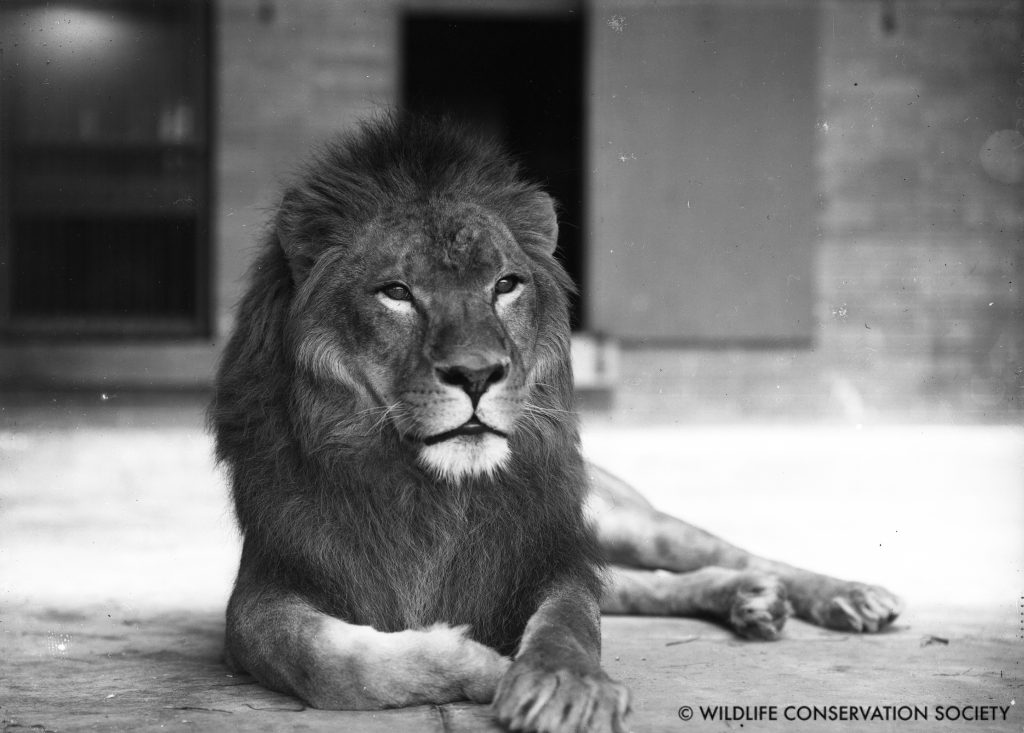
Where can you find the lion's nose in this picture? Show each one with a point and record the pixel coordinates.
(473, 379)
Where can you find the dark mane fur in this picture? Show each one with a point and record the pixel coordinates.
(409, 159)
(345, 517)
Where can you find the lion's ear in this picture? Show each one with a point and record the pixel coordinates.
(548, 219)
(299, 245)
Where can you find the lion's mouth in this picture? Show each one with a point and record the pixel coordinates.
(472, 426)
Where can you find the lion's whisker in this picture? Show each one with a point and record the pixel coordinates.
(395, 408)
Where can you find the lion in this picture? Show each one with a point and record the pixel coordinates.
(395, 411)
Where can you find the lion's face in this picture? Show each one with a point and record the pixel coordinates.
(432, 317)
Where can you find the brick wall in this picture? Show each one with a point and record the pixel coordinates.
(921, 247)
(291, 73)
(921, 255)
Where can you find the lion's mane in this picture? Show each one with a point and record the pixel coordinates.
(344, 516)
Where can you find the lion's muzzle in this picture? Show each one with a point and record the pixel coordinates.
(479, 444)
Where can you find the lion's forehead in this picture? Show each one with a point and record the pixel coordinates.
(462, 242)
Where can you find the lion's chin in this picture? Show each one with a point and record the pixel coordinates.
(466, 455)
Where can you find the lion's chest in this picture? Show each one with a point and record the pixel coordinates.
(409, 575)
(455, 571)
(423, 586)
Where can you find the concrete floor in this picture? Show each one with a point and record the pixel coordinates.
(117, 552)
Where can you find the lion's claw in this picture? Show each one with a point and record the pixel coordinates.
(856, 607)
(561, 701)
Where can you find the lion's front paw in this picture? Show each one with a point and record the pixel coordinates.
(849, 606)
(560, 701)
(759, 607)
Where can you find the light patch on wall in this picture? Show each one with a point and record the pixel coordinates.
(71, 30)
(1002, 156)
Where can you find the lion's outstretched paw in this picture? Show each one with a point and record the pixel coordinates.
(560, 701)
(849, 606)
(759, 606)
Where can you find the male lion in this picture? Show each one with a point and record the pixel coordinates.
(395, 410)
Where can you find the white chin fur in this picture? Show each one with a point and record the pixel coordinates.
(466, 456)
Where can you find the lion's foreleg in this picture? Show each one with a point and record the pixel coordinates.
(556, 682)
(289, 646)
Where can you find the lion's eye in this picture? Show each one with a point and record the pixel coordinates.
(506, 284)
(396, 292)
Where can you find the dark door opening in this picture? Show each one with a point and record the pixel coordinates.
(104, 206)
(520, 79)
